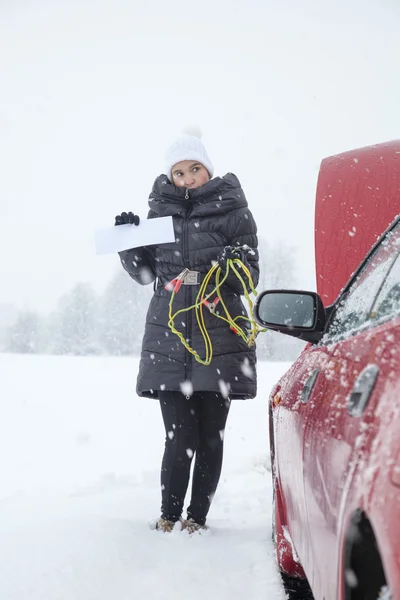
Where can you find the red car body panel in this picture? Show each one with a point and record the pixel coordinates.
(330, 455)
(358, 196)
(372, 487)
(329, 464)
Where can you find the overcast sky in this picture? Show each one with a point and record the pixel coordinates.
(92, 93)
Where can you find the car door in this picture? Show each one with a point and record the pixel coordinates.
(300, 384)
(337, 420)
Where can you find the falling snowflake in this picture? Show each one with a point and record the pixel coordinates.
(187, 388)
(351, 578)
(224, 388)
(246, 368)
(146, 275)
(352, 233)
(189, 452)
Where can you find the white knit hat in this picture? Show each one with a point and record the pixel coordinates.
(187, 147)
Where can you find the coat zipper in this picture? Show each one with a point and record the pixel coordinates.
(188, 289)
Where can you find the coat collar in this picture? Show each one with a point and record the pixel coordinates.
(219, 195)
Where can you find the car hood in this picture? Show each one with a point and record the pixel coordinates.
(358, 196)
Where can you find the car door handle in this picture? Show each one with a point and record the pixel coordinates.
(362, 390)
(308, 386)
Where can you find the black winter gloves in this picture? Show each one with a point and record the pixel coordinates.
(229, 252)
(125, 218)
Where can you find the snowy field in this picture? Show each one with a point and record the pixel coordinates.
(80, 456)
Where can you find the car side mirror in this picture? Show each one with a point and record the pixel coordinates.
(295, 313)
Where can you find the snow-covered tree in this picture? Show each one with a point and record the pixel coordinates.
(277, 266)
(277, 271)
(8, 316)
(123, 311)
(73, 329)
(24, 335)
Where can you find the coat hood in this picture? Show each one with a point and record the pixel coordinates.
(218, 196)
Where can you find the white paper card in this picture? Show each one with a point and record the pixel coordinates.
(123, 237)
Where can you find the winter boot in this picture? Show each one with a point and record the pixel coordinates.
(165, 525)
(191, 526)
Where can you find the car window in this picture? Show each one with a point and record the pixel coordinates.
(354, 309)
(387, 303)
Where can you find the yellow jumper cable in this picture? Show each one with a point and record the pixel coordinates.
(247, 335)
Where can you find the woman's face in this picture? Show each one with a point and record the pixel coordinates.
(189, 174)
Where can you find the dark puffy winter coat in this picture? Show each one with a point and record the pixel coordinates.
(214, 216)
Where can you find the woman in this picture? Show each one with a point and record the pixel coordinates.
(211, 220)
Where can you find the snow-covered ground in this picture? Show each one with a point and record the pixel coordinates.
(79, 462)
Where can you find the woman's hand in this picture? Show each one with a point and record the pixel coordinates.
(127, 218)
(229, 252)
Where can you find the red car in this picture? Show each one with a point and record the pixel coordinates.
(335, 415)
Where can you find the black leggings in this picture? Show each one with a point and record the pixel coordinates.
(193, 425)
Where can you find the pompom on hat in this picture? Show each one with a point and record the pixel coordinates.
(188, 146)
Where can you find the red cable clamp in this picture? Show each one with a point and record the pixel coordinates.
(211, 305)
(175, 284)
